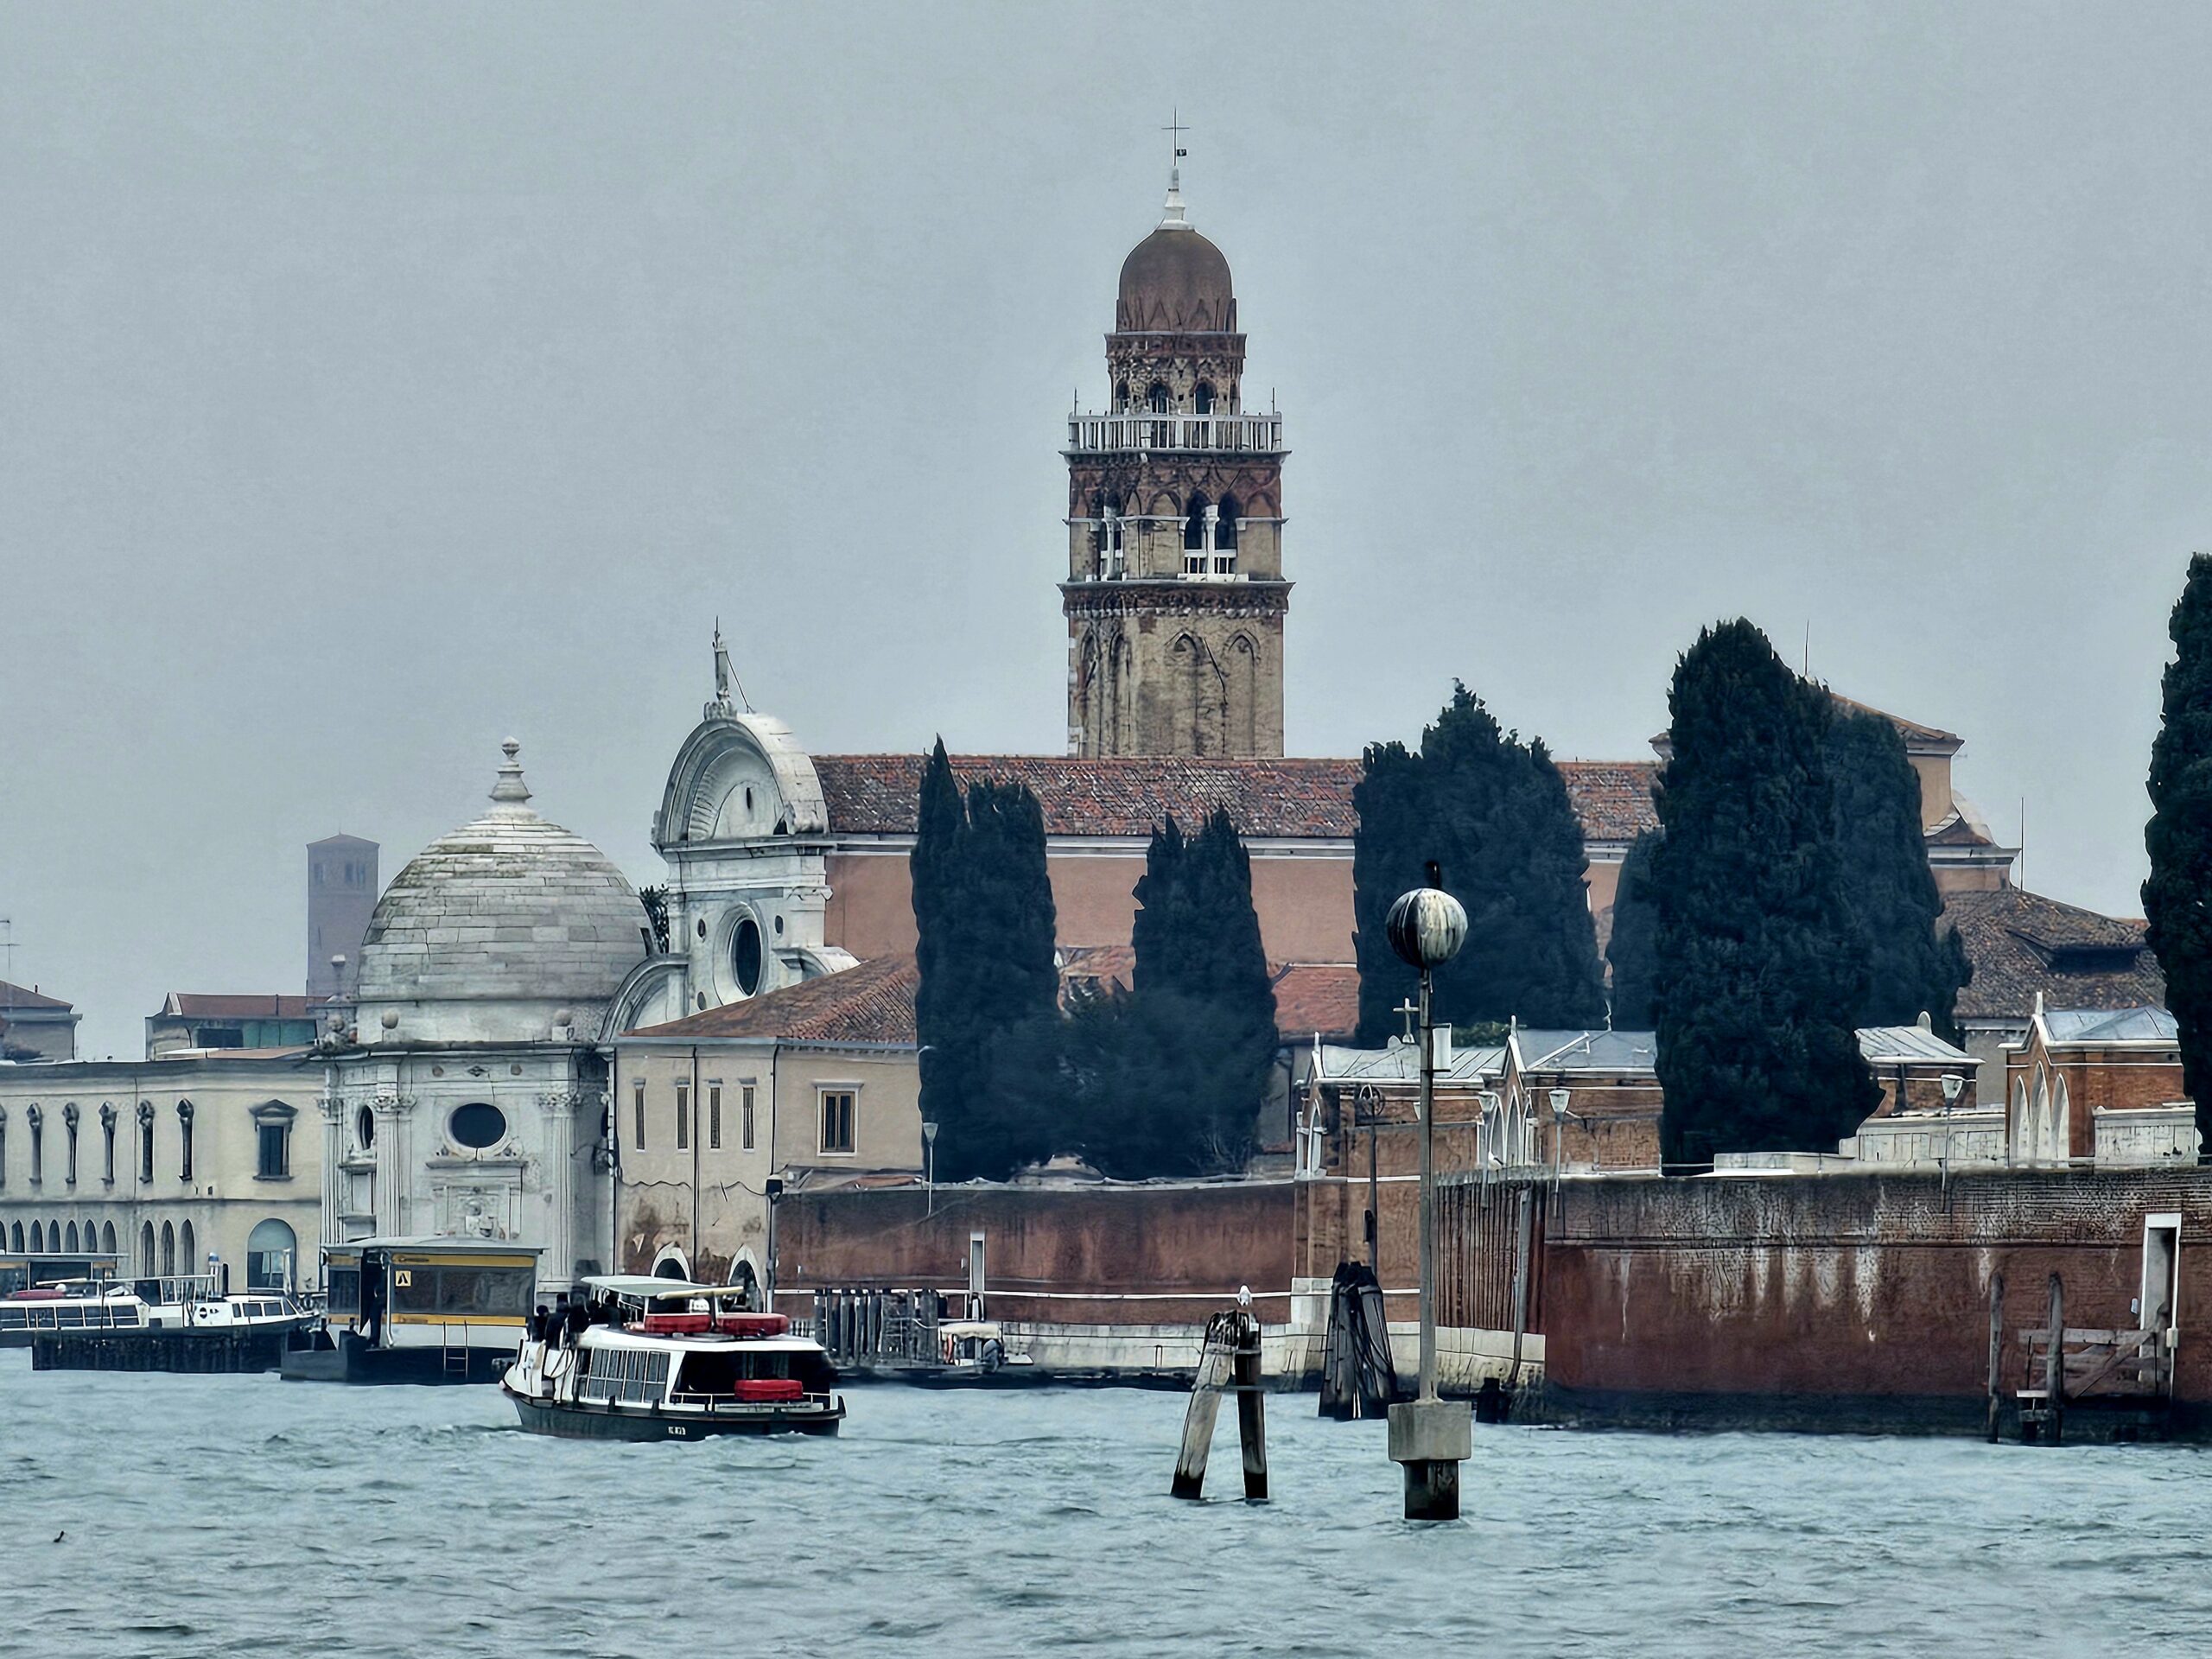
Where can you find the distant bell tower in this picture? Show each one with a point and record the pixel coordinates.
(1175, 597)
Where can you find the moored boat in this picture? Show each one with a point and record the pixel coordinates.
(658, 1359)
(176, 1323)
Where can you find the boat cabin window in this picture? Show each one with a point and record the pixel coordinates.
(344, 1289)
(455, 1290)
(624, 1375)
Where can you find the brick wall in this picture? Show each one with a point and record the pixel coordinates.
(1105, 1256)
(1850, 1286)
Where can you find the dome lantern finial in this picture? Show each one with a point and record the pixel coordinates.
(1174, 218)
(511, 790)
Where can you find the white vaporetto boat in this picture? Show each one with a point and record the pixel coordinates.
(658, 1359)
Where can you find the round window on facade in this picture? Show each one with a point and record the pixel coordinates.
(364, 1128)
(478, 1125)
(745, 956)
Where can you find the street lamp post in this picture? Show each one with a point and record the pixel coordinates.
(1953, 1083)
(1429, 1437)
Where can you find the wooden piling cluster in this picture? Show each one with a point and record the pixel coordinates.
(886, 1329)
(2125, 1375)
(1228, 1363)
(1358, 1378)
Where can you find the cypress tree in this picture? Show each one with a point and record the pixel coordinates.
(1172, 1076)
(1494, 812)
(1386, 859)
(1757, 950)
(2179, 839)
(1633, 951)
(987, 996)
(1915, 962)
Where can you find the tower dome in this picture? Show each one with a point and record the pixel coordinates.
(495, 925)
(1175, 282)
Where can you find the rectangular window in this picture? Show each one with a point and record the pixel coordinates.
(107, 1134)
(146, 1153)
(274, 1141)
(4, 1151)
(682, 1115)
(745, 1112)
(184, 1146)
(638, 1101)
(71, 1129)
(714, 1116)
(837, 1119)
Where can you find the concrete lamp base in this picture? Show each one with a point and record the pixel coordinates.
(1432, 1439)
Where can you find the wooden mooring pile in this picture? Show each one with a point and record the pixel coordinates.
(1228, 1365)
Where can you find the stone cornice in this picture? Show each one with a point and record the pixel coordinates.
(1140, 597)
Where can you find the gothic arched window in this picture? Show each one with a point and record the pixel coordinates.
(1194, 525)
(1202, 399)
(1156, 399)
(1224, 535)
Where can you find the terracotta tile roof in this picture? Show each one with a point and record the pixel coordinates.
(873, 1002)
(23, 1000)
(1612, 797)
(1312, 997)
(1094, 968)
(2021, 942)
(877, 794)
(199, 1005)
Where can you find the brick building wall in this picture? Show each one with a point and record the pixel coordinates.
(1108, 1256)
(1851, 1301)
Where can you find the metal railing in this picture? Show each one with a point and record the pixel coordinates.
(1147, 429)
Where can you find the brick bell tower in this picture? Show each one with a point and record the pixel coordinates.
(1175, 596)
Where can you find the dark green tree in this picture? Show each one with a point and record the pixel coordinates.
(988, 997)
(1757, 950)
(2179, 839)
(1632, 950)
(1915, 962)
(1387, 855)
(1494, 812)
(1173, 1074)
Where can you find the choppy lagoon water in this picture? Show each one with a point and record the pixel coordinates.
(230, 1516)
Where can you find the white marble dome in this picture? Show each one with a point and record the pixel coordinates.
(495, 929)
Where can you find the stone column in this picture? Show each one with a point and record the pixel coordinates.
(390, 1112)
(558, 1265)
(334, 1148)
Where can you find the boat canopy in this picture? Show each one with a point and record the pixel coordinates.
(444, 1243)
(643, 1288)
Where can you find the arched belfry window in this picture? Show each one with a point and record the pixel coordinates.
(1156, 399)
(1202, 399)
(1224, 535)
(1120, 396)
(1194, 524)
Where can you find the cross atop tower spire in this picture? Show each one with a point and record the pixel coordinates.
(1174, 220)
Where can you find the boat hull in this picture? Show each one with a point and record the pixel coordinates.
(344, 1357)
(591, 1422)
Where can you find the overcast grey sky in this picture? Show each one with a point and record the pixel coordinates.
(379, 382)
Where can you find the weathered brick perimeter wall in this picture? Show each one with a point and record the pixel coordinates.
(1105, 1256)
(1852, 1285)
